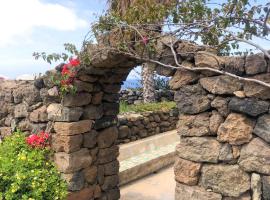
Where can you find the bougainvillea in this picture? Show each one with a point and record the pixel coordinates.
(39, 140)
(67, 78)
(27, 173)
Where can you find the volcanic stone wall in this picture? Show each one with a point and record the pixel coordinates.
(224, 124)
(133, 126)
(135, 96)
(23, 107)
(83, 126)
(224, 128)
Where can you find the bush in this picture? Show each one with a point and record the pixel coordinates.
(26, 173)
(162, 83)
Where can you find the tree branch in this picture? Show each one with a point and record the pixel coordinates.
(253, 44)
(196, 69)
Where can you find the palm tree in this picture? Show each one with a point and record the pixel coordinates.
(148, 82)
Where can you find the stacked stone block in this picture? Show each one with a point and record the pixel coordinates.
(23, 107)
(224, 128)
(134, 126)
(83, 126)
(86, 134)
(224, 124)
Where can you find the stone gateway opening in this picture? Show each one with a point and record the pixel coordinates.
(223, 125)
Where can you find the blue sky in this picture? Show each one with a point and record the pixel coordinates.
(29, 26)
(41, 25)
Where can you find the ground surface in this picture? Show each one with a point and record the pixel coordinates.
(158, 186)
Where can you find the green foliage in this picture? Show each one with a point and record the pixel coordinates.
(161, 83)
(143, 11)
(26, 173)
(64, 88)
(164, 106)
(212, 23)
(55, 57)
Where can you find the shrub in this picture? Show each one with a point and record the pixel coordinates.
(162, 83)
(26, 173)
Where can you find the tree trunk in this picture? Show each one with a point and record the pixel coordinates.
(148, 82)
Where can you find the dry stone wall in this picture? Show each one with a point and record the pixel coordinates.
(83, 126)
(223, 125)
(224, 128)
(134, 126)
(85, 139)
(135, 96)
(23, 107)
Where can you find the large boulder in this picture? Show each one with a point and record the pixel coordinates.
(221, 84)
(249, 106)
(237, 129)
(229, 180)
(262, 128)
(254, 157)
(192, 99)
(199, 149)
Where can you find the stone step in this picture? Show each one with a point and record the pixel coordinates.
(146, 156)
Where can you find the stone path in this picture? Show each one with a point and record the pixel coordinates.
(158, 186)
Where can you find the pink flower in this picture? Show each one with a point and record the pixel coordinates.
(31, 139)
(74, 62)
(145, 40)
(38, 140)
(65, 70)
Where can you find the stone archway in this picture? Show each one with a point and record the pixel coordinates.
(86, 149)
(86, 130)
(85, 133)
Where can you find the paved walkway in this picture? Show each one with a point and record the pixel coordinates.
(158, 186)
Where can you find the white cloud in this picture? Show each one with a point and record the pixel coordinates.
(18, 18)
